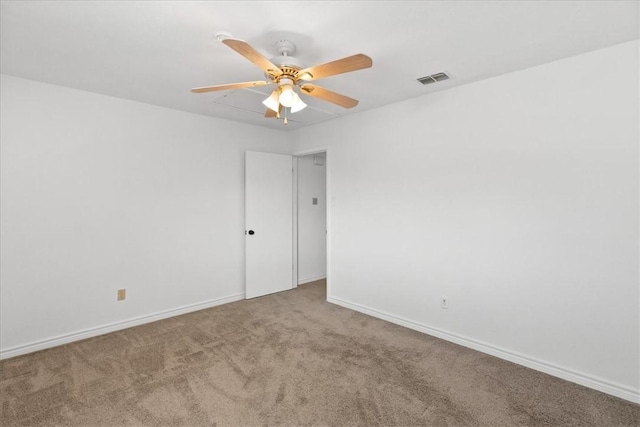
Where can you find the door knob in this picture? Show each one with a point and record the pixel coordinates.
(251, 232)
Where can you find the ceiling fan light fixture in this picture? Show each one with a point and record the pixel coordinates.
(272, 101)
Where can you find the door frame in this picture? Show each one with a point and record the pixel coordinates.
(302, 153)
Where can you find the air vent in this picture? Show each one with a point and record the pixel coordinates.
(433, 78)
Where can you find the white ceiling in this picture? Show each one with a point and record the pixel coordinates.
(155, 52)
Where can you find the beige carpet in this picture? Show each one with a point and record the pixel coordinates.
(287, 359)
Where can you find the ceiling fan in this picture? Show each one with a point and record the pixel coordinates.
(288, 73)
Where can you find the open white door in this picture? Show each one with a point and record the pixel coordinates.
(268, 223)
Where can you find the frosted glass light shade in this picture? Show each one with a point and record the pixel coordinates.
(272, 102)
(298, 104)
(287, 95)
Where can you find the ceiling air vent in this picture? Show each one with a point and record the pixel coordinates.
(433, 78)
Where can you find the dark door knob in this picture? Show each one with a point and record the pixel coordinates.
(251, 232)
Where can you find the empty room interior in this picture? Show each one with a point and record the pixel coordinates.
(388, 213)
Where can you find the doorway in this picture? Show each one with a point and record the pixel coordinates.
(282, 248)
(310, 217)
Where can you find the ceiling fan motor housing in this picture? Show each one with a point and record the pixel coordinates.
(288, 64)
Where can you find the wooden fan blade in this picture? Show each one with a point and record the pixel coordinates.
(330, 96)
(229, 86)
(272, 114)
(344, 65)
(253, 55)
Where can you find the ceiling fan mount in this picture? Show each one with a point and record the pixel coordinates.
(288, 72)
(285, 47)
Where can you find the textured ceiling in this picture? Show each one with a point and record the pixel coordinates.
(155, 52)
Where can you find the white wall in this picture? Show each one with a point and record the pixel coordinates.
(517, 198)
(99, 193)
(312, 219)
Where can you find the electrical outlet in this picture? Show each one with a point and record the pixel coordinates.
(444, 302)
(122, 294)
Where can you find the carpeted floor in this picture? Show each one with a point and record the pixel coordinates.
(287, 359)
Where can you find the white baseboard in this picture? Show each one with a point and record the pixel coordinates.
(311, 279)
(548, 368)
(112, 327)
